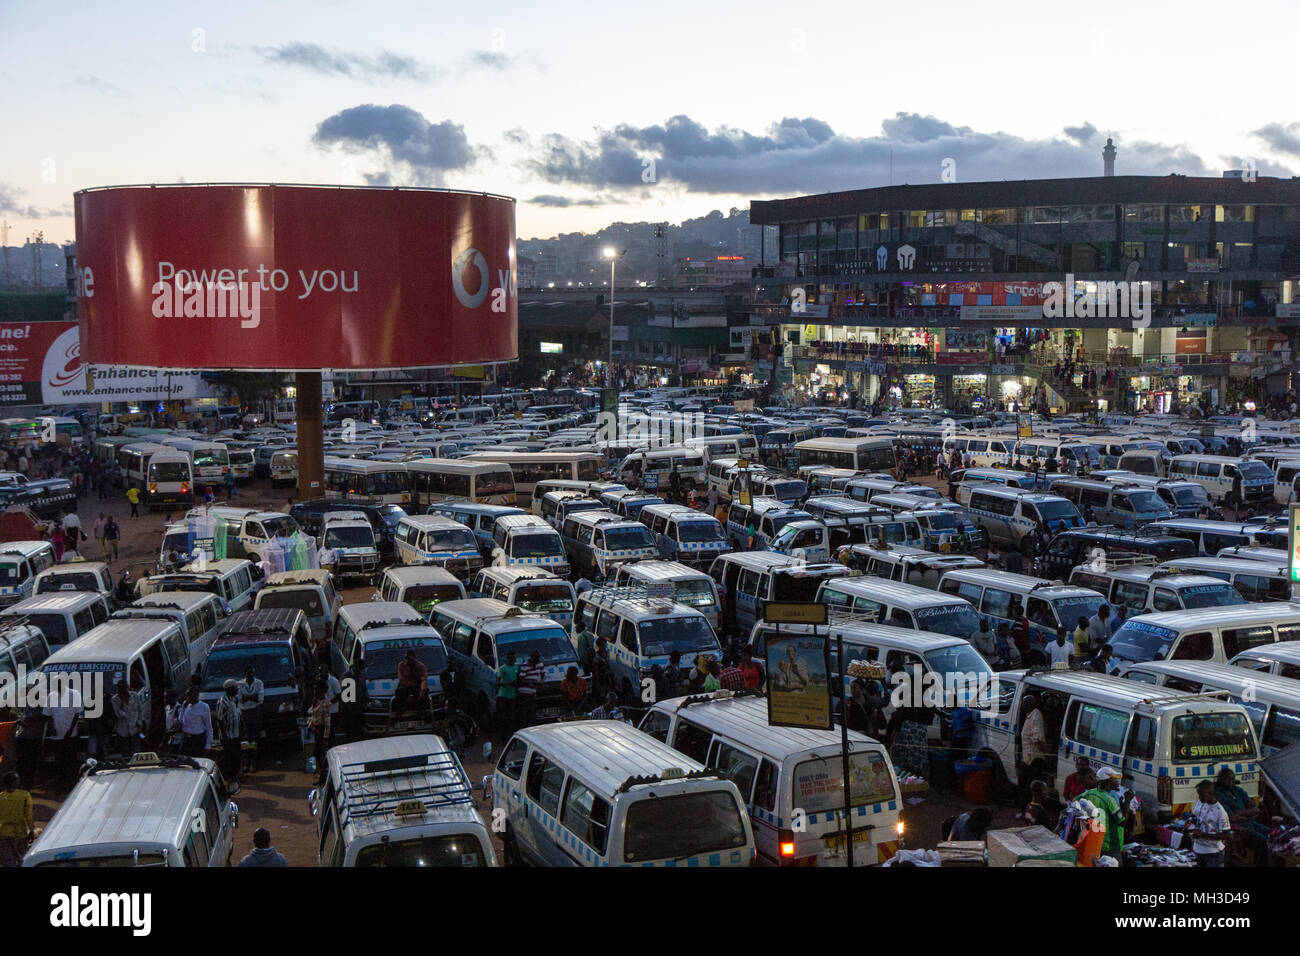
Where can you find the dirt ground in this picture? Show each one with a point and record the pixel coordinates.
(275, 796)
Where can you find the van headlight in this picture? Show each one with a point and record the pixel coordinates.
(287, 707)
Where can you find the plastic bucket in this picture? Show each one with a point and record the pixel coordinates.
(976, 776)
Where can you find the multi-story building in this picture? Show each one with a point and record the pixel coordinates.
(970, 293)
(714, 272)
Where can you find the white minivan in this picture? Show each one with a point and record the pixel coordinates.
(601, 793)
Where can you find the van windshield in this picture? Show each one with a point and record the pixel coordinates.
(1138, 641)
(544, 597)
(1147, 502)
(454, 849)
(552, 644)
(1070, 609)
(691, 532)
(1255, 471)
(1210, 595)
(690, 635)
(955, 620)
(681, 826)
(284, 524)
(452, 539)
(79, 581)
(819, 784)
(788, 490)
(306, 600)
(53, 626)
(1212, 737)
(382, 657)
(627, 539)
(354, 537)
(694, 593)
(535, 545)
(423, 597)
(273, 665)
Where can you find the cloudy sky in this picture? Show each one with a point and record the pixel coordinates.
(590, 112)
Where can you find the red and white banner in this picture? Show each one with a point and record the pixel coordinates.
(295, 277)
(40, 364)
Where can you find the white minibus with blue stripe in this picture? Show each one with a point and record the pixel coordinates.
(1166, 741)
(1272, 702)
(531, 589)
(791, 779)
(528, 540)
(641, 631)
(998, 594)
(602, 793)
(684, 534)
(374, 636)
(482, 632)
(433, 539)
(691, 587)
(478, 518)
(599, 541)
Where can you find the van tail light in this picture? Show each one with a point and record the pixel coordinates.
(1164, 790)
(786, 840)
(153, 487)
(185, 487)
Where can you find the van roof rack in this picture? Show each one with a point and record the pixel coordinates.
(362, 796)
(143, 760)
(666, 777)
(1185, 696)
(394, 622)
(717, 695)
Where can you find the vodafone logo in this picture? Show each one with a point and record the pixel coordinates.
(458, 265)
(63, 361)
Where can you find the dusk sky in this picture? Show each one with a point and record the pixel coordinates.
(589, 112)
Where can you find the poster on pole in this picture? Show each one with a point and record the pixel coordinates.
(798, 680)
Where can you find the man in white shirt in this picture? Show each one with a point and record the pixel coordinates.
(64, 713)
(252, 695)
(196, 726)
(1033, 738)
(1209, 820)
(1099, 628)
(1059, 650)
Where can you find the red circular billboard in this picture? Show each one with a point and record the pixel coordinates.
(295, 277)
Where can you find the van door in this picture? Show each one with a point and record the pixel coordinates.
(543, 786)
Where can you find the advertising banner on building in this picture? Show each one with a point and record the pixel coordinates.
(40, 364)
(295, 277)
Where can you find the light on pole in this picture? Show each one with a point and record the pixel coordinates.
(612, 255)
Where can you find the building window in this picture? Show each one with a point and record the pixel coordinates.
(1234, 213)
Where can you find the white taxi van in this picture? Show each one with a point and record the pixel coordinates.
(602, 793)
(142, 812)
(398, 801)
(786, 774)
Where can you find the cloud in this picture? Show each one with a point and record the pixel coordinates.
(410, 146)
(807, 155)
(381, 65)
(1282, 137)
(491, 59)
(564, 202)
(11, 202)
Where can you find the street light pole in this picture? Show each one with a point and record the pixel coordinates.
(609, 366)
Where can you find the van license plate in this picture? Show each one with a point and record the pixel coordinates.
(835, 841)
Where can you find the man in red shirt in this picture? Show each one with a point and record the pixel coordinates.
(752, 670)
(1020, 630)
(732, 677)
(1075, 783)
(412, 681)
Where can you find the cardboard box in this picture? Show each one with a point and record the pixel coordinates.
(1036, 862)
(962, 853)
(1012, 847)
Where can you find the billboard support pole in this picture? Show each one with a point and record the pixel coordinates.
(311, 439)
(844, 756)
